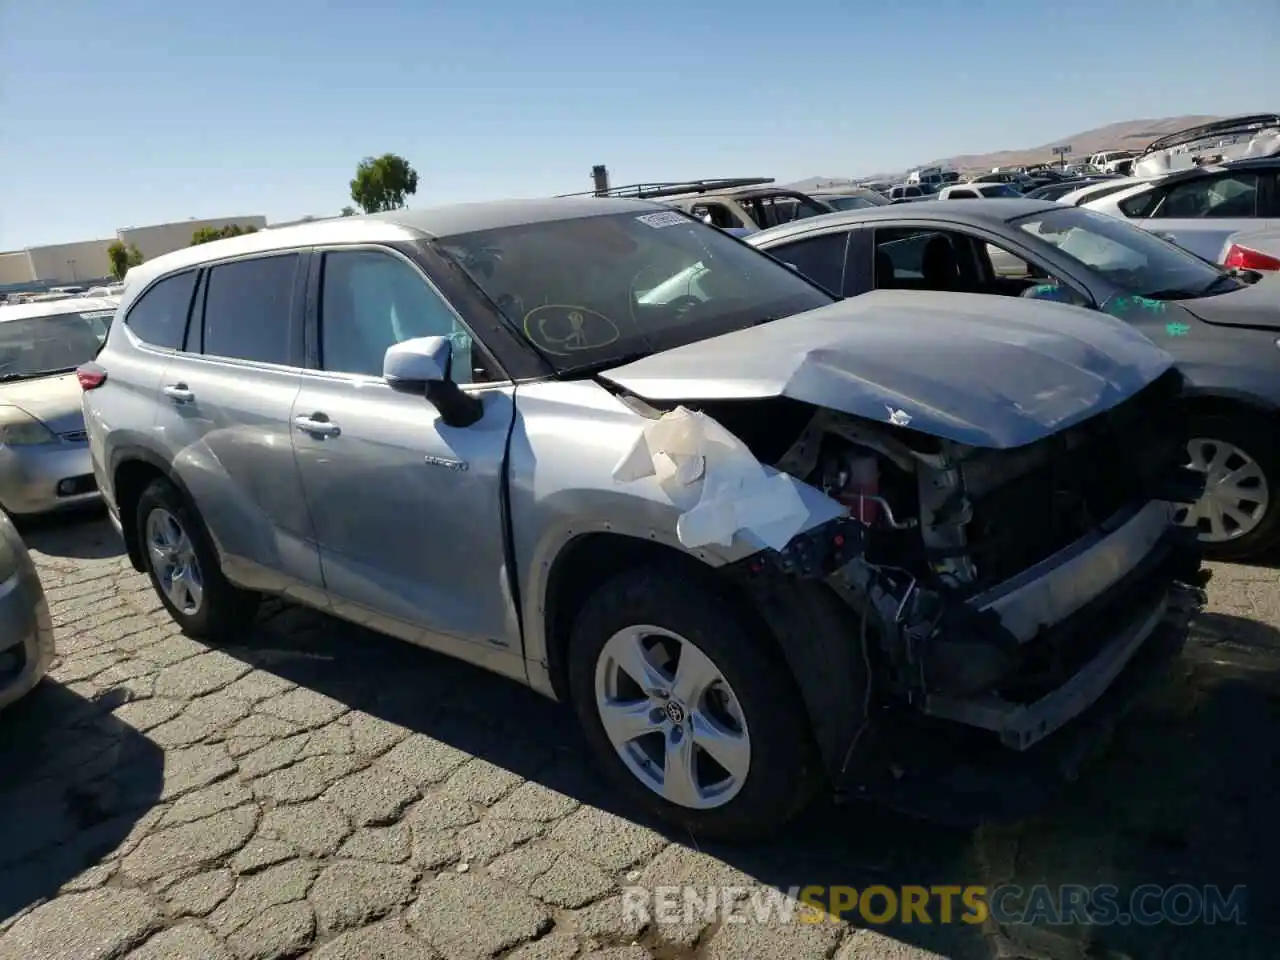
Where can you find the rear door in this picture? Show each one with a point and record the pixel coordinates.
(408, 510)
(224, 404)
(1200, 214)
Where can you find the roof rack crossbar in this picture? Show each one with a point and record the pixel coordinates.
(1231, 126)
(672, 188)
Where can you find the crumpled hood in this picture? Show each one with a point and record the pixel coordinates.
(55, 401)
(988, 371)
(1257, 305)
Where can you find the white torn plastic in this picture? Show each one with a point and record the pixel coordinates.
(723, 487)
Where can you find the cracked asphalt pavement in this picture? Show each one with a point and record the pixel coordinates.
(320, 790)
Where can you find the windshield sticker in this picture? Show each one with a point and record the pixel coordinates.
(1177, 329)
(666, 219)
(565, 329)
(1119, 306)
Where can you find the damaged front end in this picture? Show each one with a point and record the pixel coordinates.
(971, 602)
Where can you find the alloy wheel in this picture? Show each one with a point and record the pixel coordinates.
(672, 717)
(1236, 495)
(173, 558)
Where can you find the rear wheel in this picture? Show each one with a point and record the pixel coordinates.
(1239, 515)
(183, 565)
(687, 709)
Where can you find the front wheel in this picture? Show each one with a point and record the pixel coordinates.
(1239, 515)
(688, 709)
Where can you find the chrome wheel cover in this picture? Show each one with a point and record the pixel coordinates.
(1236, 495)
(672, 717)
(173, 559)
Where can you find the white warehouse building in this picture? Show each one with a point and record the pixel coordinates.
(69, 263)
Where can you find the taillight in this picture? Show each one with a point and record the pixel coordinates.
(91, 376)
(1243, 258)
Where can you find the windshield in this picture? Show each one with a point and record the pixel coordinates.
(1131, 258)
(39, 346)
(999, 190)
(597, 290)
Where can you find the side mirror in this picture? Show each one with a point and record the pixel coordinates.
(415, 363)
(423, 366)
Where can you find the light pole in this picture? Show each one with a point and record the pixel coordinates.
(72, 264)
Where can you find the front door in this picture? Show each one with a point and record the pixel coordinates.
(407, 510)
(224, 405)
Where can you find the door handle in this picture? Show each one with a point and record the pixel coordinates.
(317, 424)
(179, 393)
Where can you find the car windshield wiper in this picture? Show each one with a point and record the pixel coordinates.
(1217, 281)
(619, 360)
(33, 374)
(1175, 293)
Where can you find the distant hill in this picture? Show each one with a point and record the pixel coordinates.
(1126, 135)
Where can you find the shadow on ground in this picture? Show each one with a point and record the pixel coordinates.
(82, 534)
(1187, 792)
(1269, 560)
(74, 781)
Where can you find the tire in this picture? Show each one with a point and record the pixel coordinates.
(783, 772)
(1255, 437)
(223, 610)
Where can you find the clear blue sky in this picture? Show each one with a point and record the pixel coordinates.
(121, 113)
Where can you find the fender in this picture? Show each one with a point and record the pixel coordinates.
(1248, 386)
(628, 514)
(135, 446)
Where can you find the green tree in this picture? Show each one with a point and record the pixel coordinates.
(348, 211)
(383, 183)
(209, 234)
(122, 258)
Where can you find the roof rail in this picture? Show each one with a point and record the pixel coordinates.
(1231, 126)
(673, 188)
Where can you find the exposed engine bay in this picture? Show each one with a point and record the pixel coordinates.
(999, 588)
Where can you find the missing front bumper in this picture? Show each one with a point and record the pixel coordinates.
(959, 775)
(1022, 725)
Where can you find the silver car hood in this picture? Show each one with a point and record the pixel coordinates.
(988, 371)
(55, 401)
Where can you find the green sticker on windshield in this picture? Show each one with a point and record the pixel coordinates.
(1177, 329)
(1122, 306)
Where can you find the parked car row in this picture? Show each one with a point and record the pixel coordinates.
(1220, 325)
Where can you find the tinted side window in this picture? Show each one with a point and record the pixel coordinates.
(1230, 195)
(370, 301)
(159, 317)
(905, 250)
(248, 309)
(821, 259)
(1141, 205)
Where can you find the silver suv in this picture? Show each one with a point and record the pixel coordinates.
(756, 536)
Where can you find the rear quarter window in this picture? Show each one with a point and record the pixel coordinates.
(1142, 205)
(159, 316)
